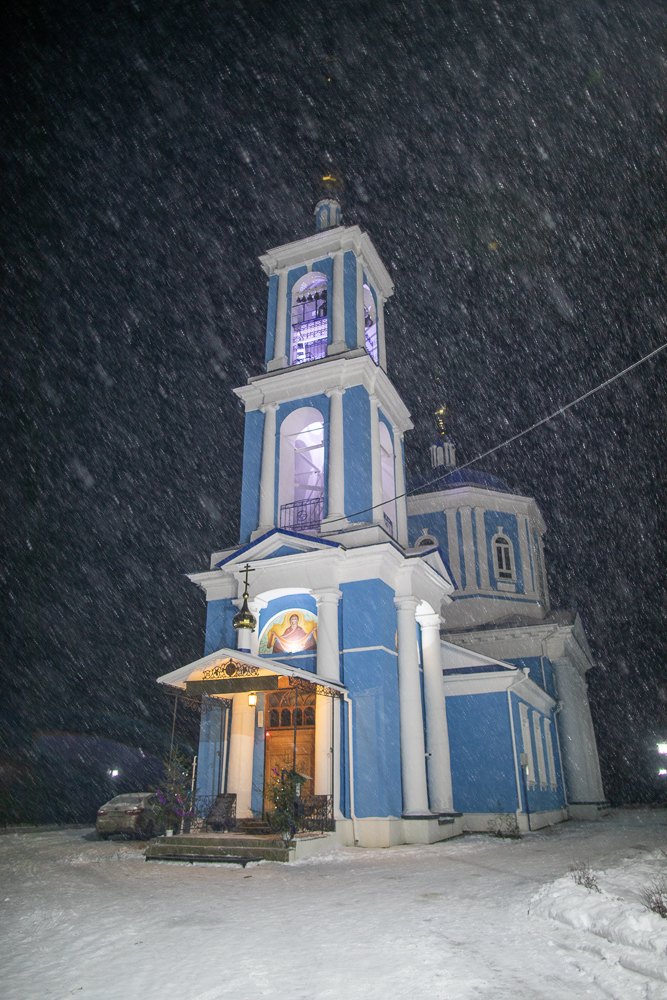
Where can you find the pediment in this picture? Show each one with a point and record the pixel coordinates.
(274, 545)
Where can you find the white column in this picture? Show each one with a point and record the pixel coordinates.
(268, 472)
(413, 759)
(523, 552)
(377, 514)
(382, 353)
(255, 605)
(336, 484)
(453, 544)
(399, 489)
(323, 745)
(338, 307)
(437, 736)
(241, 746)
(279, 350)
(481, 548)
(328, 652)
(543, 568)
(361, 325)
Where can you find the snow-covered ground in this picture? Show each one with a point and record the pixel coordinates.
(471, 918)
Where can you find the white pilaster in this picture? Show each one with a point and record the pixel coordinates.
(268, 472)
(468, 547)
(437, 736)
(481, 548)
(361, 325)
(399, 488)
(280, 359)
(377, 514)
(382, 352)
(525, 558)
(413, 759)
(328, 651)
(241, 746)
(338, 307)
(577, 736)
(336, 484)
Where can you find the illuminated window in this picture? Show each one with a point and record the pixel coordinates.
(301, 479)
(503, 557)
(370, 321)
(309, 319)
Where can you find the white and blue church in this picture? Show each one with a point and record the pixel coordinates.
(399, 652)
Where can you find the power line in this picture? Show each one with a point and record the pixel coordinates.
(515, 437)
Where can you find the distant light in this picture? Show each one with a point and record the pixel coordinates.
(662, 747)
(113, 772)
(663, 770)
(252, 700)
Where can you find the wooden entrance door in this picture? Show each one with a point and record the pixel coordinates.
(282, 710)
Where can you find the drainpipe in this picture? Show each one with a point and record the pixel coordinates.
(351, 759)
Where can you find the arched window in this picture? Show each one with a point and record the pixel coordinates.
(309, 318)
(425, 540)
(370, 321)
(301, 479)
(387, 467)
(503, 556)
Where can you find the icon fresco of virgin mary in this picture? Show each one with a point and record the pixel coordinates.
(294, 632)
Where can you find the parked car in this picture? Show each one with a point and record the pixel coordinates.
(133, 814)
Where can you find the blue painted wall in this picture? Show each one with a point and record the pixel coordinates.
(252, 464)
(534, 664)
(371, 676)
(493, 518)
(462, 563)
(208, 754)
(538, 800)
(482, 759)
(271, 319)
(435, 524)
(219, 629)
(350, 291)
(357, 463)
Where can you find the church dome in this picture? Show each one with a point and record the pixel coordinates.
(471, 477)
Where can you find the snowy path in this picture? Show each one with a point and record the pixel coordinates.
(447, 922)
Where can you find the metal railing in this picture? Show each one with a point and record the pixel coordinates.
(302, 515)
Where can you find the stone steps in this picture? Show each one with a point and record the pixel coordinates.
(223, 847)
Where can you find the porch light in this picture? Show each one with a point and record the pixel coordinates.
(113, 772)
(662, 747)
(252, 699)
(662, 770)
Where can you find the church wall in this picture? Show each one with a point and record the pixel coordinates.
(370, 672)
(541, 798)
(357, 461)
(481, 753)
(257, 793)
(208, 759)
(435, 524)
(219, 629)
(252, 464)
(492, 519)
(271, 319)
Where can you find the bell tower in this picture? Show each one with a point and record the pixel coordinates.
(324, 429)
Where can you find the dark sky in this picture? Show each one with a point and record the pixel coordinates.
(151, 150)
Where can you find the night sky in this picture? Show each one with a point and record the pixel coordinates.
(151, 150)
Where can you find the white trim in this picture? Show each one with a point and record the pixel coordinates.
(488, 683)
(193, 671)
(539, 746)
(366, 649)
(527, 742)
(551, 762)
(514, 751)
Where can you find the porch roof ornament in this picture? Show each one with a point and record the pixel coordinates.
(244, 619)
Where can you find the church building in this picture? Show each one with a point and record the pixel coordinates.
(399, 652)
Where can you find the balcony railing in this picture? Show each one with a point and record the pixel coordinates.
(302, 515)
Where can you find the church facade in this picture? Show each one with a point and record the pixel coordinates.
(399, 652)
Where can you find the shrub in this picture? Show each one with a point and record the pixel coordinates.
(583, 874)
(654, 896)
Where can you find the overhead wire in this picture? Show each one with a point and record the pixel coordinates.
(515, 437)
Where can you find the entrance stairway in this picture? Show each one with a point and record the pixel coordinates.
(232, 848)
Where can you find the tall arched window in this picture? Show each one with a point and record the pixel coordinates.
(301, 473)
(370, 321)
(309, 319)
(503, 558)
(387, 467)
